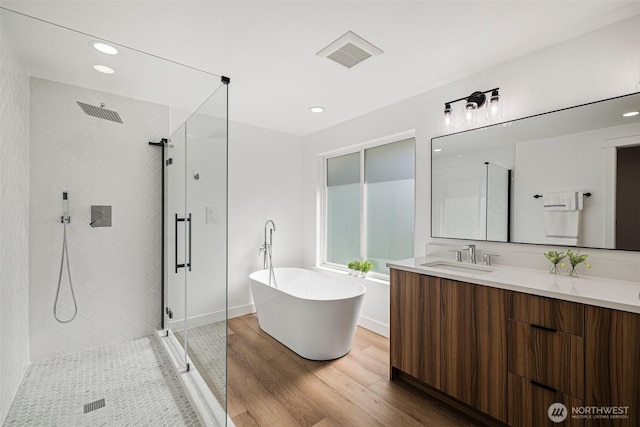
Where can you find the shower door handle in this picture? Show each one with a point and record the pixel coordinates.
(177, 220)
(189, 264)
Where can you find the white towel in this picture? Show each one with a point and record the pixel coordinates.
(562, 217)
(563, 201)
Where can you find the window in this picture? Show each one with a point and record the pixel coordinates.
(369, 205)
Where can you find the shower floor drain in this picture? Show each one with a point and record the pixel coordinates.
(94, 405)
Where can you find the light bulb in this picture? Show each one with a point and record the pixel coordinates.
(470, 113)
(105, 48)
(104, 69)
(495, 107)
(447, 119)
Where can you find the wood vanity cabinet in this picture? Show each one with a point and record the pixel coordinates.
(452, 336)
(510, 355)
(474, 347)
(415, 325)
(529, 403)
(613, 364)
(546, 358)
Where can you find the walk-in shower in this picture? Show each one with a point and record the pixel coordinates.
(156, 267)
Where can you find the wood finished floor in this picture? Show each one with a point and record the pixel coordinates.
(269, 385)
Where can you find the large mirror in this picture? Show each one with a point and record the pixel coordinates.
(569, 177)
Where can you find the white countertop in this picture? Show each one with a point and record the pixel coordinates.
(597, 291)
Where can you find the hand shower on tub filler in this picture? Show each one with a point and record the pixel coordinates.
(265, 250)
(65, 219)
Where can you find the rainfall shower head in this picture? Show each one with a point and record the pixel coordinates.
(100, 112)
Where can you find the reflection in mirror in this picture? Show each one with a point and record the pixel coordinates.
(561, 156)
(470, 198)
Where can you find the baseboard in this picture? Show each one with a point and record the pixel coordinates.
(241, 310)
(215, 316)
(373, 325)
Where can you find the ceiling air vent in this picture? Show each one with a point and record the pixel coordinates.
(349, 50)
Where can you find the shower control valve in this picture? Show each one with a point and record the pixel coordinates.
(65, 219)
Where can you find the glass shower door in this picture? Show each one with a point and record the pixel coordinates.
(206, 206)
(196, 246)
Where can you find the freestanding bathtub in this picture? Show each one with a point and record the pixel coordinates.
(313, 314)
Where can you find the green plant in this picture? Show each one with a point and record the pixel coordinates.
(354, 265)
(555, 257)
(365, 266)
(575, 259)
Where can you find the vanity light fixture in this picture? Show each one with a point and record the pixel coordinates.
(316, 109)
(104, 48)
(104, 69)
(631, 114)
(472, 107)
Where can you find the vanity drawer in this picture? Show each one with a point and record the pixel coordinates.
(529, 404)
(553, 359)
(559, 315)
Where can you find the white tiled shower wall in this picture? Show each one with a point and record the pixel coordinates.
(115, 270)
(14, 222)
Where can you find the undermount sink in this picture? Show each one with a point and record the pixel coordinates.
(460, 267)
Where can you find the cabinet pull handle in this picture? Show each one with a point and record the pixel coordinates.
(546, 387)
(544, 328)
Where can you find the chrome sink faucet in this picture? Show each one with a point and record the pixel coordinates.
(472, 253)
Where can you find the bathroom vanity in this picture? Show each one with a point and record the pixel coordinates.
(503, 343)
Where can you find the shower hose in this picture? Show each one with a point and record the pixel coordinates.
(65, 254)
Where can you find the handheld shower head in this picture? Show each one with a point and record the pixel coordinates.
(65, 208)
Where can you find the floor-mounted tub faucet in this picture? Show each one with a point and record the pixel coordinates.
(265, 249)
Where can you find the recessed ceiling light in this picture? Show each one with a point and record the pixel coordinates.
(316, 109)
(630, 114)
(437, 150)
(104, 48)
(104, 69)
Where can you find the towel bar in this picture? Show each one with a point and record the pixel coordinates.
(537, 196)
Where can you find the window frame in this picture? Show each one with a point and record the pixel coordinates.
(321, 249)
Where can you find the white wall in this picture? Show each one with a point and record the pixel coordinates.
(264, 183)
(115, 270)
(598, 65)
(14, 222)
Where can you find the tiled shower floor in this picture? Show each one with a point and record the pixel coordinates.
(135, 378)
(207, 350)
